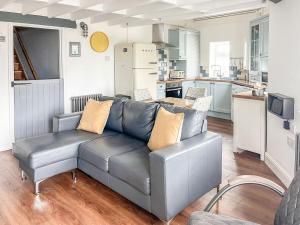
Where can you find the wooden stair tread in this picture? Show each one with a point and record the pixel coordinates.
(18, 70)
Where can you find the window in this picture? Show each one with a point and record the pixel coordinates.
(219, 59)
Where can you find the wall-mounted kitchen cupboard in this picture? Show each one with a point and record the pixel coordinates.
(192, 54)
(186, 50)
(259, 48)
(177, 38)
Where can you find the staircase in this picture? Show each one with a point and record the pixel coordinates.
(18, 70)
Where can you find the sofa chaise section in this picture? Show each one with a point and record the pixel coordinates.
(48, 155)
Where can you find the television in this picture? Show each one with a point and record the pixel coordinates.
(281, 106)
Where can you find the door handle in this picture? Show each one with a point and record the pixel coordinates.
(152, 62)
(153, 73)
(19, 84)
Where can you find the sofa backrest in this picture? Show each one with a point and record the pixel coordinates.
(115, 118)
(193, 120)
(138, 119)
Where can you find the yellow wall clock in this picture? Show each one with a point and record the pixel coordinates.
(99, 42)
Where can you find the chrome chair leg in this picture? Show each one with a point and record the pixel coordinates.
(244, 180)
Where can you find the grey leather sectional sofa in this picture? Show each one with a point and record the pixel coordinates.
(162, 182)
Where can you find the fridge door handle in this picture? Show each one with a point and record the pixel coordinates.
(154, 73)
(153, 63)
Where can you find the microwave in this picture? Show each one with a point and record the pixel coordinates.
(176, 74)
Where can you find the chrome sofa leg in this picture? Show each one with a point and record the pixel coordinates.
(37, 187)
(74, 178)
(23, 175)
(167, 222)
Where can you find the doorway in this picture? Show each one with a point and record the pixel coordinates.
(37, 83)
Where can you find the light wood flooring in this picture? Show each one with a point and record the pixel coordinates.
(89, 202)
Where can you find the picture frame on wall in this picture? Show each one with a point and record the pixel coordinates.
(74, 49)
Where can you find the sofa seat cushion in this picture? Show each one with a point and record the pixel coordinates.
(98, 151)
(43, 150)
(204, 218)
(132, 168)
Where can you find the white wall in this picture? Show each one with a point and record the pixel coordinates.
(91, 73)
(94, 72)
(233, 29)
(5, 139)
(284, 61)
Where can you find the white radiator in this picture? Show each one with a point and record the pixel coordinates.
(79, 102)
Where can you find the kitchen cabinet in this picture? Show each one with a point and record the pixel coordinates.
(185, 86)
(178, 38)
(249, 129)
(161, 91)
(221, 97)
(259, 49)
(221, 93)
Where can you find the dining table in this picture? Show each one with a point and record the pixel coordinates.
(177, 102)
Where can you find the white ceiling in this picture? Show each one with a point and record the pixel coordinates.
(129, 12)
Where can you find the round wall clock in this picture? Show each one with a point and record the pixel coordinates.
(99, 42)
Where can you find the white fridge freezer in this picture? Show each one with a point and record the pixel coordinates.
(135, 68)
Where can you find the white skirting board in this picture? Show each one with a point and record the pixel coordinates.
(281, 173)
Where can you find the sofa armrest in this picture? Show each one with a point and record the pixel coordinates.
(66, 122)
(183, 172)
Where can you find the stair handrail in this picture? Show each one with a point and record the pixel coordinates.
(34, 73)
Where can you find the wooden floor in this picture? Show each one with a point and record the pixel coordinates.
(89, 202)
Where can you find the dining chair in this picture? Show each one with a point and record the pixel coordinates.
(202, 103)
(194, 93)
(288, 212)
(142, 95)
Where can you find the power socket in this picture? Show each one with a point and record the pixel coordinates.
(291, 142)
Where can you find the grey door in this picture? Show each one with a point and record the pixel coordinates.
(35, 104)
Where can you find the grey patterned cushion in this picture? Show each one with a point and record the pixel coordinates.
(204, 218)
(288, 212)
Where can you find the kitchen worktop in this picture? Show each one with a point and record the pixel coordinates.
(248, 95)
(238, 82)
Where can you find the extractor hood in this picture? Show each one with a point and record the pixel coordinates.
(159, 36)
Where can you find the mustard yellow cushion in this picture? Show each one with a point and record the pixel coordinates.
(94, 116)
(167, 129)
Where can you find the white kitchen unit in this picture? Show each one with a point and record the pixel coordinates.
(236, 89)
(135, 68)
(249, 129)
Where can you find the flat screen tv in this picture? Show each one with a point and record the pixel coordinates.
(281, 105)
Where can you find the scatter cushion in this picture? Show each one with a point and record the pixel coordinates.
(193, 120)
(167, 129)
(94, 116)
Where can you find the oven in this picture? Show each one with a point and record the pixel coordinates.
(174, 90)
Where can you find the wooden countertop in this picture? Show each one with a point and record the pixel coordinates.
(248, 95)
(237, 82)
